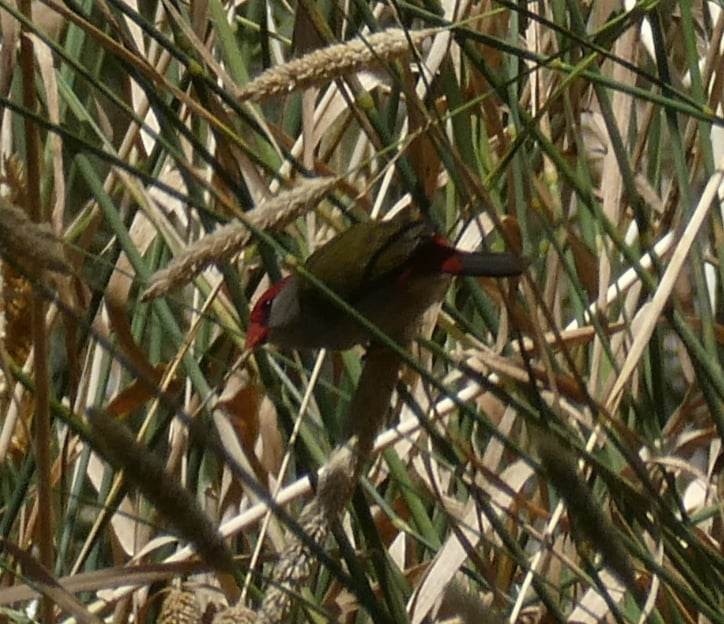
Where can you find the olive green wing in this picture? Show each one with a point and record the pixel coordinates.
(365, 253)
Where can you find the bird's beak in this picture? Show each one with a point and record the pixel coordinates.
(256, 334)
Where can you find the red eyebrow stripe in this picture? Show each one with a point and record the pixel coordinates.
(257, 312)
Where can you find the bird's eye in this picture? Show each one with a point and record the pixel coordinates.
(267, 304)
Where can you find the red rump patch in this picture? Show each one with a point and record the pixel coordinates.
(453, 265)
(437, 256)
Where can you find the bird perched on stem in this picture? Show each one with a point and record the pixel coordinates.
(389, 271)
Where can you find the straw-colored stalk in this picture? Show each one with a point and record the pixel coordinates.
(221, 245)
(326, 64)
(366, 413)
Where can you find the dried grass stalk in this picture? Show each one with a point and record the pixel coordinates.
(27, 246)
(321, 66)
(366, 414)
(336, 484)
(220, 246)
(298, 561)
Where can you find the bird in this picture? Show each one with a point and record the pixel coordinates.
(390, 271)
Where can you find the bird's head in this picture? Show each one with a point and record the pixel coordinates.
(262, 315)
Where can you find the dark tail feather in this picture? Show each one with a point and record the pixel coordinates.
(485, 264)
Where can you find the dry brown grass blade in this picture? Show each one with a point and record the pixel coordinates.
(122, 329)
(47, 585)
(97, 580)
(326, 64)
(139, 392)
(221, 245)
(565, 384)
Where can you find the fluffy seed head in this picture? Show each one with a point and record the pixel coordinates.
(326, 64)
(223, 244)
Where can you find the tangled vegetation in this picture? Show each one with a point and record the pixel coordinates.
(548, 450)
